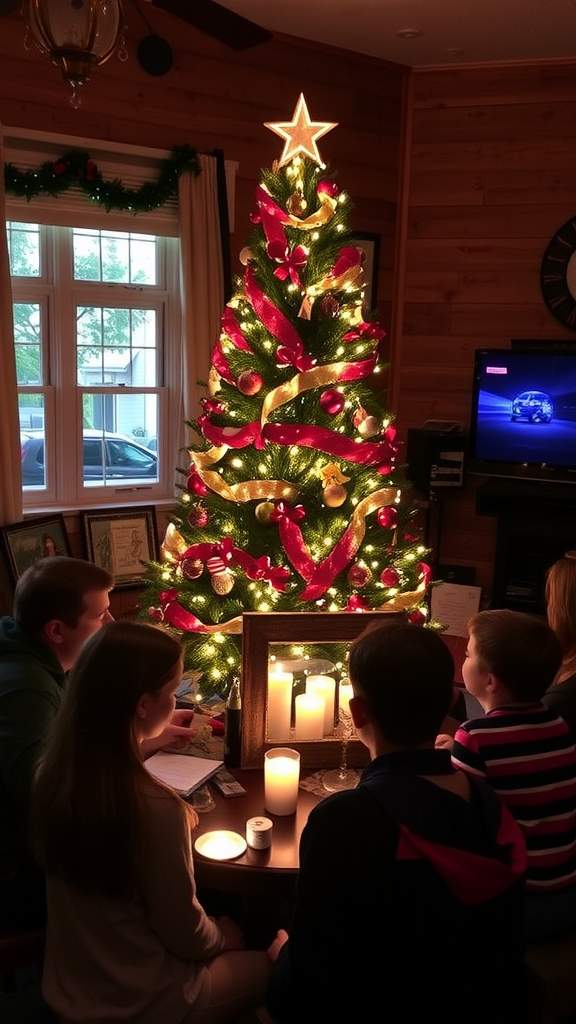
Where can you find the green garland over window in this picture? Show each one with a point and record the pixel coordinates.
(75, 168)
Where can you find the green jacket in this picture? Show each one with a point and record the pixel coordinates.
(31, 687)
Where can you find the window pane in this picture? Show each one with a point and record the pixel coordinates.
(27, 328)
(32, 444)
(116, 346)
(117, 431)
(24, 249)
(114, 257)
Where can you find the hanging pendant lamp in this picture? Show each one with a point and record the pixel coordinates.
(77, 35)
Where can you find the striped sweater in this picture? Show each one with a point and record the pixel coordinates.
(528, 755)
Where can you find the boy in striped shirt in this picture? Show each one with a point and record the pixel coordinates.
(526, 752)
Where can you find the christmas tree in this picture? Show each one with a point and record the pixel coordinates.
(293, 500)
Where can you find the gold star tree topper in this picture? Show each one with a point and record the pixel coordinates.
(300, 134)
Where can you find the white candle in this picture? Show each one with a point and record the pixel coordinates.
(309, 716)
(281, 777)
(279, 704)
(325, 687)
(345, 694)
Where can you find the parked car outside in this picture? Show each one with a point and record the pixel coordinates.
(535, 406)
(108, 457)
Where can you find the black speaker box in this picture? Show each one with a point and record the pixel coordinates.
(435, 457)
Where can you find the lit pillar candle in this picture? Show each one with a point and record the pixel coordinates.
(345, 694)
(281, 778)
(279, 704)
(309, 716)
(325, 687)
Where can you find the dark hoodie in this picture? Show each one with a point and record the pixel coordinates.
(409, 905)
(31, 686)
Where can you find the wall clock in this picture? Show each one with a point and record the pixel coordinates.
(558, 275)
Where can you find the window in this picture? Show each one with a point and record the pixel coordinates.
(93, 311)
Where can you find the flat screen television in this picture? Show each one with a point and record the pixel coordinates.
(523, 422)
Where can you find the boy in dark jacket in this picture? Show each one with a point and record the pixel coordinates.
(409, 895)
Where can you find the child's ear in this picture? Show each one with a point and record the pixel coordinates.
(359, 712)
(493, 684)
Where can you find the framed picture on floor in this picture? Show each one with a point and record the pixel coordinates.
(27, 542)
(121, 541)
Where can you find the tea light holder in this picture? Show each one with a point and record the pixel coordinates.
(281, 779)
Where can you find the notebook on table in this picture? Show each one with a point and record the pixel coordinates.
(182, 772)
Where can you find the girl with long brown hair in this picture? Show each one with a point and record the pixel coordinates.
(127, 938)
(561, 613)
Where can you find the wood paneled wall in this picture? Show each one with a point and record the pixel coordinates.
(215, 97)
(492, 175)
(484, 160)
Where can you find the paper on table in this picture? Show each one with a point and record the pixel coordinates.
(453, 604)
(180, 771)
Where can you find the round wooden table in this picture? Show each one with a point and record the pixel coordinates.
(256, 872)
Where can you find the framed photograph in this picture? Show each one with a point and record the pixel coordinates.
(267, 635)
(25, 543)
(121, 540)
(370, 244)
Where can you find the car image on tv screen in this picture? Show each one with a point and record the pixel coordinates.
(534, 406)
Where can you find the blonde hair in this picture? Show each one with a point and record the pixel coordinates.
(89, 802)
(561, 609)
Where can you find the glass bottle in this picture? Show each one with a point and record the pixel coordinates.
(233, 726)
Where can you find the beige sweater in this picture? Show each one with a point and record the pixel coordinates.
(138, 961)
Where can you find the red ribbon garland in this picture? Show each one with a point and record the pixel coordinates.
(287, 518)
(291, 349)
(366, 331)
(368, 453)
(255, 568)
(290, 262)
(234, 437)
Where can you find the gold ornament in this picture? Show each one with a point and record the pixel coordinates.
(263, 512)
(296, 204)
(301, 134)
(173, 544)
(334, 495)
(223, 582)
(332, 474)
(245, 256)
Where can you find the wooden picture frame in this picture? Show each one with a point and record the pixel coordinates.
(26, 542)
(370, 244)
(259, 630)
(121, 540)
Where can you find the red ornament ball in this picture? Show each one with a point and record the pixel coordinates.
(359, 575)
(249, 382)
(390, 577)
(192, 568)
(387, 517)
(332, 401)
(327, 187)
(390, 433)
(416, 617)
(156, 614)
(198, 516)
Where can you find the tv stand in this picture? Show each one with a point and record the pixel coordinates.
(536, 525)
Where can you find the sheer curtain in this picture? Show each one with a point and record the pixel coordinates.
(202, 281)
(10, 468)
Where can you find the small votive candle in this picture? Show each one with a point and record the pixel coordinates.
(309, 716)
(281, 778)
(279, 704)
(325, 687)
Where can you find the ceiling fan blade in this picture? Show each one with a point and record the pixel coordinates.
(228, 27)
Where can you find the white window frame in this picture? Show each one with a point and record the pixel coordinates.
(63, 418)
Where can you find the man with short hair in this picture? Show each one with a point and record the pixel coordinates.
(59, 603)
